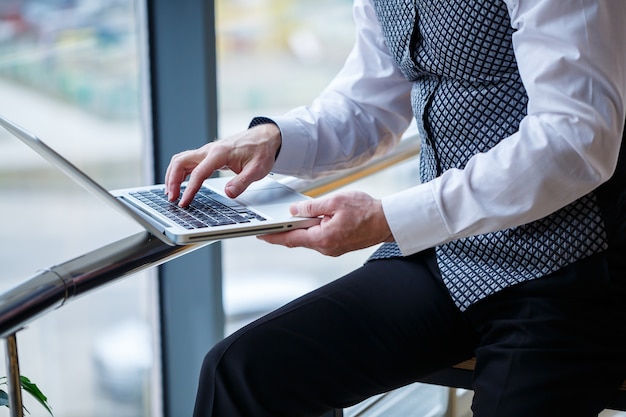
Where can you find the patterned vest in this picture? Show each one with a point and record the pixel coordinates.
(467, 95)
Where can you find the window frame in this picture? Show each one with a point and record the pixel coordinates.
(183, 112)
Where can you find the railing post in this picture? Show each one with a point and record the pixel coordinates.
(13, 379)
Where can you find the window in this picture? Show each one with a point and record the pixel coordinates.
(69, 73)
(273, 55)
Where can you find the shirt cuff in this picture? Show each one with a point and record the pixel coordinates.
(296, 146)
(260, 120)
(414, 219)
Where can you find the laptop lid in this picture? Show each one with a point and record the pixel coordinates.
(267, 197)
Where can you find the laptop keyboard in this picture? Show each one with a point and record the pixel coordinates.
(208, 209)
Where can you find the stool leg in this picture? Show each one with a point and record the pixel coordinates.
(13, 378)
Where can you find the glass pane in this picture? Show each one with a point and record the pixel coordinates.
(69, 73)
(274, 55)
(295, 47)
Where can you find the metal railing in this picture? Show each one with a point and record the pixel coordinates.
(53, 287)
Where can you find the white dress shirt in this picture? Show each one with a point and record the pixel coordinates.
(572, 61)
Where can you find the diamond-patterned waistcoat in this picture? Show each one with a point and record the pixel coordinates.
(467, 96)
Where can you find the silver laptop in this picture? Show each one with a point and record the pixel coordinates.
(263, 208)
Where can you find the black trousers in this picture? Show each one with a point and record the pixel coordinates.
(555, 346)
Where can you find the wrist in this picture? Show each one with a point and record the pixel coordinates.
(274, 130)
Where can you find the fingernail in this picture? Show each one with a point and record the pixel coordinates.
(231, 190)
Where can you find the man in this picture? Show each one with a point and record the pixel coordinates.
(510, 249)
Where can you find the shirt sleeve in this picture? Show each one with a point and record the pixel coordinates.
(362, 113)
(573, 65)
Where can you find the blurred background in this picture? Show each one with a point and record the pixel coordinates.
(74, 72)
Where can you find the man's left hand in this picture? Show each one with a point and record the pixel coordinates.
(350, 221)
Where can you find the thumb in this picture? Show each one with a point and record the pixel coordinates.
(237, 185)
(249, 173)
(308, 208)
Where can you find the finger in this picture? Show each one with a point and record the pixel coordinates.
(290, 239)
(171, 168)
(196, 178)
(170, 186)
(202, 171)
(250, 172)
(238, 184)
(311, 238)
(311, 208)
(179, 167)
(190, 192)
(173, 178)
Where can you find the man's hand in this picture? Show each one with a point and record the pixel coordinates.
(249, 154)
(351, 221)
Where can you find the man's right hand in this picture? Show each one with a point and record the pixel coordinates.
(249, 154)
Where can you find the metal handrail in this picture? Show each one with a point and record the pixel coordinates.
(51, 288)
(55, 286)
(408, 147)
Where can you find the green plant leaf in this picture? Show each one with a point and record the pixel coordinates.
(4, 398)
(36, 393)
